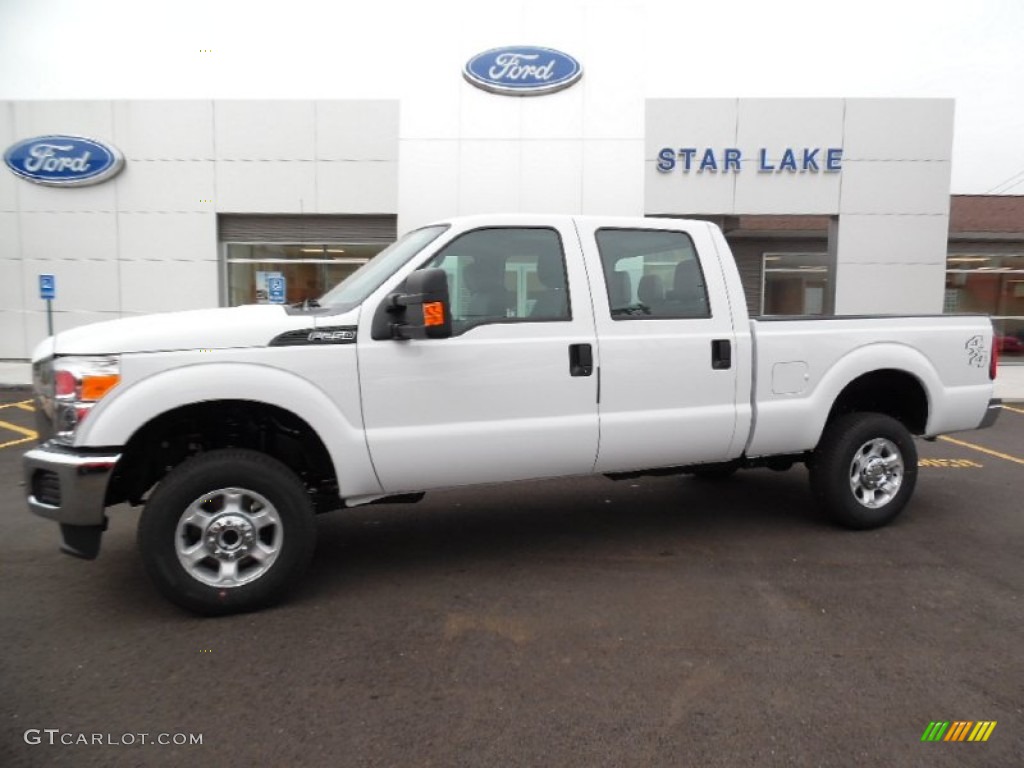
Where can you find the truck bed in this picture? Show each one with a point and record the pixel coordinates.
(801, 366)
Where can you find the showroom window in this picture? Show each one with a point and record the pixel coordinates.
(287, 273)
(794, 283)
(992, 284)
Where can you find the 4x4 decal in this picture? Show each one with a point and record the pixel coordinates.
(977, 355)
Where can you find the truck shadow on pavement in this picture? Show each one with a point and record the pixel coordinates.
(581, 518)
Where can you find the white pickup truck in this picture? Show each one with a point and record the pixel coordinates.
(478, 350)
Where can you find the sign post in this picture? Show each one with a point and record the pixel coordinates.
(48, 292)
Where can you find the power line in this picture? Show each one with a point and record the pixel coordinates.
(1012, 181)
(1015, 184)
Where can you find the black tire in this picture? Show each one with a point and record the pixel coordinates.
(864, 470)
(227, 506)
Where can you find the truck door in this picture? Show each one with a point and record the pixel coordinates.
(512, 394)
(668, 384)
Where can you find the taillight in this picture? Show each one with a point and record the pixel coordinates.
(994, 362)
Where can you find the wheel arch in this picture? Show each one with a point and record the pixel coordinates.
(889, 391)
(154, 400)
(170, 438)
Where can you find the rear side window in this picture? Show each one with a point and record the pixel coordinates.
(505, 275)
(651, 274)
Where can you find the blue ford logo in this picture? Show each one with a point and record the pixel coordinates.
(63, 161)
(522, 70)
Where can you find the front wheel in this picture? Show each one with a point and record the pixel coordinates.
(864, 469)
(227, 531)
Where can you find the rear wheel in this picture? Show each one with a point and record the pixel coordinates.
(227, 531)
(864, 469)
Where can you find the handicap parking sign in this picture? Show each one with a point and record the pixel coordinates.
(276, 289)
(47, 287)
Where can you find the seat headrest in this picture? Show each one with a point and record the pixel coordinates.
(650, 290)
(687, 280)
(550, 271)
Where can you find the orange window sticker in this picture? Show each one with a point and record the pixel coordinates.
(433, 313)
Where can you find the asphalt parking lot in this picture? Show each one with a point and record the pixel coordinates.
(654, 622)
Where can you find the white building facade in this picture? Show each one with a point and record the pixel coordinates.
(218, 197)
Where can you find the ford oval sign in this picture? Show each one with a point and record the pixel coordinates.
(522, 70)
(63, 161)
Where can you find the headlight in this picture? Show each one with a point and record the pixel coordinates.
(78, 384)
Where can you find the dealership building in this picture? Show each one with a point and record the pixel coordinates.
(832, 206)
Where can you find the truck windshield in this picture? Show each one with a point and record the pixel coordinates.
(354, 289)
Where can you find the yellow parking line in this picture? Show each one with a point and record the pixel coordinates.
(983, 449)
(13, 443)
(25, 405)
(1011, 408)
(29, 433)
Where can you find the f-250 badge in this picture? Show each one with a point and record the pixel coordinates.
(976, 354)
(335, 334)
(329, 336)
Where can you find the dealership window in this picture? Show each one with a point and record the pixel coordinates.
(794, 283)
(992, 284)
(308, 270)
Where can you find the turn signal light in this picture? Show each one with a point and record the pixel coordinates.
(95, 387)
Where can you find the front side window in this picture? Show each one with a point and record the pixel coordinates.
(505, 275)
(652, 274)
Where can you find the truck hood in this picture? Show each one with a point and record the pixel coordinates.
(248, 326)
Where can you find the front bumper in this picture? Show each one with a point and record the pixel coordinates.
(70, 487)
(995, 406)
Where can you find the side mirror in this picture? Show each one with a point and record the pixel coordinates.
(420, 310)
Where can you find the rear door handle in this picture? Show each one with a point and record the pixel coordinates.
(721, 354)
(581, 360)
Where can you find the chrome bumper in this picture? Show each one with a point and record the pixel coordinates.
(70, 487)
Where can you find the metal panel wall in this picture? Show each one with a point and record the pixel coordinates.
(307, 228)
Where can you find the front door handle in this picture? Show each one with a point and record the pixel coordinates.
(721, 354)
(581, 360)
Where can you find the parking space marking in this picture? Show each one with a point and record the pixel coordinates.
(1011, 408)
(982, 449)
(25, 405)
(950, 463)
(29, 434)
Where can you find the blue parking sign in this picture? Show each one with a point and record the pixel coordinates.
(47, 287)
(276, 289)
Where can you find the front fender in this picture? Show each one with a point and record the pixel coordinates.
(131, 406)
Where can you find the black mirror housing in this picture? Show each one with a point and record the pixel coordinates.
(421, 309)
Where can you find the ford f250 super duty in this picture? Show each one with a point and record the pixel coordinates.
(478, 350)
